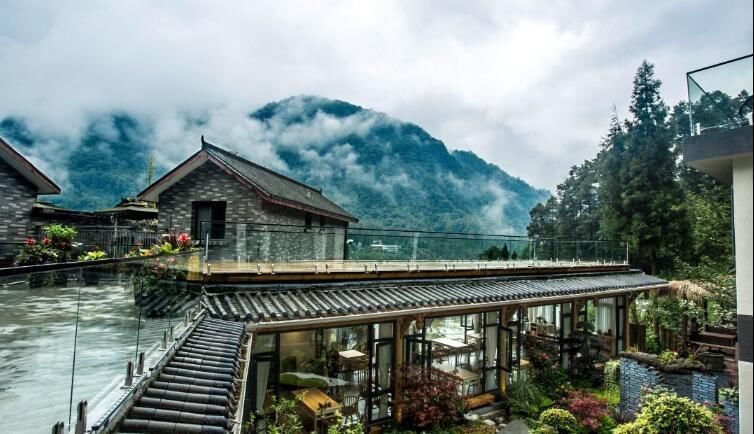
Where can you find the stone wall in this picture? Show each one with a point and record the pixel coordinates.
(699, 386)
(17, 197)
(244, 242)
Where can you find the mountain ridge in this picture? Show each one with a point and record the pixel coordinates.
(386, 172)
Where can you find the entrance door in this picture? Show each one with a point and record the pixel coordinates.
(381, 381)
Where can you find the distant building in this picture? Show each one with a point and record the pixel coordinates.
(218, 196)
(20, 185)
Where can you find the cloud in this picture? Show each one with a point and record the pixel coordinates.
(525, 84)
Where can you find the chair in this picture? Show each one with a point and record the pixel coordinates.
(350, 410)
(472, 385)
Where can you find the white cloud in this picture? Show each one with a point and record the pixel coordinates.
(525, 84)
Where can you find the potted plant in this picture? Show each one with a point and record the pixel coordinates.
(91, 275)
(37, 253)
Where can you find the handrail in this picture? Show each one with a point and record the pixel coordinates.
(356, 228)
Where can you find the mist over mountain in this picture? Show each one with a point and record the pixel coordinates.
(386, 172)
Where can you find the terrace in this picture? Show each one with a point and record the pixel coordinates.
(102, 340)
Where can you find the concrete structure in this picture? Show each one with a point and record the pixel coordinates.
(247, 210)
(20, 184)
(726, 155)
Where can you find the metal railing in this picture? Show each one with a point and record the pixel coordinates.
(77, 337)
(720, 95)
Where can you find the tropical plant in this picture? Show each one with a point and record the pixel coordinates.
(523, 396)
(561, 420)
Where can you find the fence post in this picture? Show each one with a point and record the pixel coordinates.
(81, 418)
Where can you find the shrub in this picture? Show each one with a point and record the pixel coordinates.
(553, 382)
(94, 255)
(561, 420)
(543, 429)
(283, 418)
(635, 427)
(588, 409)
(667, 357)
(431, 398)
(666, 412)
(523, 397)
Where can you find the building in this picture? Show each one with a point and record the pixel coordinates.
(722, 148)
(20, 185)
(224, 200)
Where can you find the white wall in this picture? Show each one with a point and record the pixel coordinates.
(742, 219)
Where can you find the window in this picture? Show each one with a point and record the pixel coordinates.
(308, 220)
(207, 217)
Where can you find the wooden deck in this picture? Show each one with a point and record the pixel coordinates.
(324, 271)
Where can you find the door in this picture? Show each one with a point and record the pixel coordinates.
(418, 351)
(381, 381)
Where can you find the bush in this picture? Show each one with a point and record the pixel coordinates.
(588, 409)
(666, 412)
(431, 398)
(636, 427)
(543, 429)
(561, 420)
(553, 382)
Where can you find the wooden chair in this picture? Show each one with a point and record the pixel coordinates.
(350, 409)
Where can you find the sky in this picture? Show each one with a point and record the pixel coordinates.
(527, 85)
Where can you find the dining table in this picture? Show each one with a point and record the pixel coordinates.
(317, 404)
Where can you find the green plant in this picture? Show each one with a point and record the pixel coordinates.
(523, 397)
(337, 427)
(283, 418)
(611, 374)
(62, 236)
(553, 382)
(666, 412)
(93, 255)
(730, 395)
(667, 357)
(543, 429)
(635, 427)
(561, 420)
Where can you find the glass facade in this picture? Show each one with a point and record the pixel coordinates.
(351, 370)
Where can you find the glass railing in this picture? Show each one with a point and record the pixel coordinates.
(68, 332)
(303, 247)
(720, 96)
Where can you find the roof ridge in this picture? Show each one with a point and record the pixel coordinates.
(209, 146)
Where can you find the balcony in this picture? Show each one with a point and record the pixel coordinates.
(720, 116)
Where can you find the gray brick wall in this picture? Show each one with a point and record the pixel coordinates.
(634, 377)
(700, 387)
(17, 197)
(246, 242)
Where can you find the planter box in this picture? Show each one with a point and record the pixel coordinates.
(715, 361)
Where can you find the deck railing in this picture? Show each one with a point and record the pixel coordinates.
(720, 96)
(260, 243)
(70, 331)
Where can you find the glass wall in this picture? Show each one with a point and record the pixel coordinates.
(346, 370)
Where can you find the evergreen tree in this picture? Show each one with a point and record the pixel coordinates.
(505, 254)
(544, 219)
(652, 201)
(611, 168)
(578, 204)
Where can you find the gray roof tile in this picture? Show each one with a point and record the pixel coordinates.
(272, 303)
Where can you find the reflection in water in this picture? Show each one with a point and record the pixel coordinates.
(37, 329)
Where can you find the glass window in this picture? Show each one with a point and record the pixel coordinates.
(457, 349)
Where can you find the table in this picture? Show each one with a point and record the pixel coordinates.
(452, 344)
(351, 354)
(467, 377)
(311, 401)
(474, 335)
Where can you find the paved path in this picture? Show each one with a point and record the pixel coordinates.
(516, 426)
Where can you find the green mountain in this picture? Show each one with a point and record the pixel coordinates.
(387, 172)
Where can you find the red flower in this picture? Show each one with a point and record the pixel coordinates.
(30, 241)
(183, 238)
(46, 241)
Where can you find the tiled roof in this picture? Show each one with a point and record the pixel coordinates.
(277, 185)
(286, 303)
(195, 392)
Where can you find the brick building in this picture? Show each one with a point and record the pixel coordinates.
(218, 196)
(20, 184)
